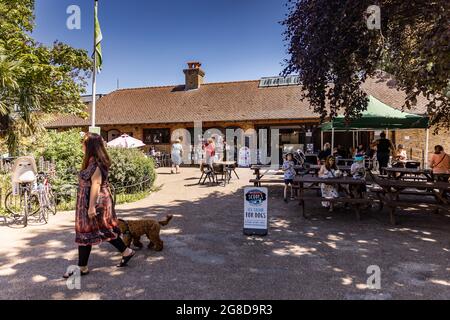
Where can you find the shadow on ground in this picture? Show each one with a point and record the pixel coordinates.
(206, 256)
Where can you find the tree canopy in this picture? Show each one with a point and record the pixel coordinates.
(35, 79)
(332, 49)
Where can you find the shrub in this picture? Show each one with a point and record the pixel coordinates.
(65, 149)
(130, 167)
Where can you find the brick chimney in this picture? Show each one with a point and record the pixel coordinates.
(194, 75)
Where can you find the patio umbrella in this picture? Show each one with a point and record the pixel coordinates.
(125, 141)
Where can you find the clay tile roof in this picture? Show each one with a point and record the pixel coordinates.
(228, 101)
(232, 101)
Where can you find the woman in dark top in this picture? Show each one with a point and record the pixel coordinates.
(384, 150)
(95, 217)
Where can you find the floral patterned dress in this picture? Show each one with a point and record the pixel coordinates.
(328, 191)
(104, 227)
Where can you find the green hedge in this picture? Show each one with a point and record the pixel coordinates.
(65, 149)
(129, 166)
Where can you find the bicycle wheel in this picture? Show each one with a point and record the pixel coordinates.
(44, 214)
(51, 202)
(15, 206)
(26, 209)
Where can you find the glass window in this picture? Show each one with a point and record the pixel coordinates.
(157, 136)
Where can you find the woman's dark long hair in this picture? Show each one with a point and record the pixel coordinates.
(438, 149)
(327, 163)
(95, 148)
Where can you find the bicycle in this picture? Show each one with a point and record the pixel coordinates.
(23, 204)
(47, 199)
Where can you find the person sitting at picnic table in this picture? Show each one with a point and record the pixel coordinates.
(326, 152)
(440, 161)
(400, 157)
(358, 171)
(289, 175)
(176, 154)
(361, 150)
(328, 171)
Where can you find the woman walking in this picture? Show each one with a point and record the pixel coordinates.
(176, 154)
(95, 218)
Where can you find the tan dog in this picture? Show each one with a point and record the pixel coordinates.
(132, 230)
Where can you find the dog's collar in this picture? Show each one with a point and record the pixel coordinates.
(127, 232)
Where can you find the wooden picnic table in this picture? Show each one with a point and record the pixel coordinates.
(228, 168)
(341, 183)
(345, 161)
(317, 167)
(391, 190)
(257, 169)
(300, 170)
(403, 173)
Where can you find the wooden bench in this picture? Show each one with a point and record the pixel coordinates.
(379, 192)
(258, 182)
(357, 202)
(394, 204)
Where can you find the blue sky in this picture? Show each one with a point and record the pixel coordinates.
(148, 42)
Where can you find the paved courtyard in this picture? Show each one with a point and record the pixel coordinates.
(206, 256)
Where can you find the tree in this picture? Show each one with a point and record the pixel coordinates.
(334, 52)
(35, 79)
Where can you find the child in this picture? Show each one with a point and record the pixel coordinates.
(358, 171)
(289, 175)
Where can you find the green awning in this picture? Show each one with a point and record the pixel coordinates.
(379, 116)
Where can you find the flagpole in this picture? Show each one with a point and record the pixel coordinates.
(94, 76)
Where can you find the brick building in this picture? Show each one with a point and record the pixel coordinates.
(153, 114)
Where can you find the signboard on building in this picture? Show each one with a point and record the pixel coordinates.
(96, 130)
(255, 211)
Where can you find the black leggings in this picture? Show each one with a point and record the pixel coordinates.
(85, 251)
(383, 160)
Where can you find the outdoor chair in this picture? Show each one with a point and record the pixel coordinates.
(218, 170)
(207, 173)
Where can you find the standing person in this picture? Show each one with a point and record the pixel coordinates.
(210, 152)
(289, 175)
(440, 161)
(176, 155)
(95, 217)
(328, 171)
(384, 151)
(152, 151)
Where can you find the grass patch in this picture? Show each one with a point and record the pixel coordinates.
(123, 198)
(120, 199)
(129, 198)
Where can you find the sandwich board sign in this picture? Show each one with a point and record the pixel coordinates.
(255, 211)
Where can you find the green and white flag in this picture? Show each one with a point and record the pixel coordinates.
(98, 39)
